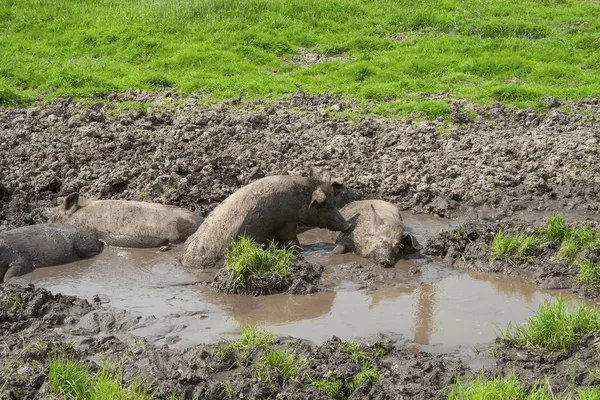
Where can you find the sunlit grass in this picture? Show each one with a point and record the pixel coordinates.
(252, 338)
(246, 260)
(555, 326)
(518, 246)
(71, 380)
(498, 50)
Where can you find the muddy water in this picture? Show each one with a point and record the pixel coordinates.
(419, 299)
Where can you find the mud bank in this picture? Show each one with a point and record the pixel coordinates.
(469, 247)
(171, 150)
(38, 325)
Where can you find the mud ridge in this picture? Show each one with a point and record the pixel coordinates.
(468, 247)
(302, 278)
(171, 149)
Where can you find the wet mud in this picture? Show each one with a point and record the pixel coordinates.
(497, 168)
(173, 151)
(302, 278)
(469, 247)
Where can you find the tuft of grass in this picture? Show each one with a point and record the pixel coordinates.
(9, 302)
(589, 272)
(554, 327)
(518, 246)
(280, 365)
(480, 387)
(252, 338)
(333, 387)
(555, 228)
(71, 380)
(342, 388)
(246, 260)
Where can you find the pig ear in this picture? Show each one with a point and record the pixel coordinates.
(410, 243)
(376, 217)
(71, 202)
(318, 197)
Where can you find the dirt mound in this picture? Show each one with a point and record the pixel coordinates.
(302, 278)
(565, 370)
(468, 247)
(168, 149)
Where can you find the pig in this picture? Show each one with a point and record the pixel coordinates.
(378, 233)
(127, 223)
(268, 209)
(24, 249)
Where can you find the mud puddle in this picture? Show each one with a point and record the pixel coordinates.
(419, 300)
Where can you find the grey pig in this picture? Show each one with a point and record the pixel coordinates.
(128, 223)
(24, 249)
(378, 234)
(268, 209)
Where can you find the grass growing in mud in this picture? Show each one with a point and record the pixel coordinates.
(480, 387)
(71, 380)
(247, 260)
(576, 244)
(390, 52)
(269, 363)
(554, 326)
(342, 388)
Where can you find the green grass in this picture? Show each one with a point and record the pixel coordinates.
(246, 260)
(480, 387)
(342, 388)
(280, 365)
(517, 246)
(9, 302)
(71, 380)
(514, 51)
(252, 338)
(554, 326)
(576, 244)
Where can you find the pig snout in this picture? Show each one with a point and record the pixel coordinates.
(385, 255)
(336, 222)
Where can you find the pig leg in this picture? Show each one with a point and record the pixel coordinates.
(15, 270)
(344, 246)
(287, 235)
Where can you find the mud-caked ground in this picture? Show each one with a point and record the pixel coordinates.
(38, 326)
(174, 151)
(470, 247)
(483, 164)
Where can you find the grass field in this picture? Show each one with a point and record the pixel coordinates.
(514, 51)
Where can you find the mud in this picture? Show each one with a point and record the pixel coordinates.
(27, 351)
(302, 278)
(495, 165)
(175, 151)
(468, 247)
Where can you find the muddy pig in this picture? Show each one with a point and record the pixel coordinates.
(268, 209)
(127, 223)
(24, 249)
(378, 233)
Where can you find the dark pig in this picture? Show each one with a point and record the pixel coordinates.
(24, 249)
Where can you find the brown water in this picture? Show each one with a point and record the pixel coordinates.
(437, 307)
